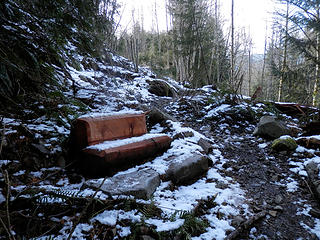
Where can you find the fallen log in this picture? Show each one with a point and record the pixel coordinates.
(295, 108)
(309, 142)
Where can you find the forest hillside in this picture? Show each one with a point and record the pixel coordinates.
(238, 166)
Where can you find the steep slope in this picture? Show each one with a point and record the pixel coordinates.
(245, 179)
(107, 89)
(248, 187)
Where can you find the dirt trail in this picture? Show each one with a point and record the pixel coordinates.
(264, 175)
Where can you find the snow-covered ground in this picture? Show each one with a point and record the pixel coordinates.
(114, 95)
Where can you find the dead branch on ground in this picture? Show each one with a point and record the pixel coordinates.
(246, 225)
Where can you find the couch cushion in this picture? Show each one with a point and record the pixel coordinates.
(122, 154)
(92, 130)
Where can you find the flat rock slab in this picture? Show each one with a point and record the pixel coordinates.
(188, 170)
(140, 184)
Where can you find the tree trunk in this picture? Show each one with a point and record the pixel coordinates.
(264, 60)
(284, 62)
(215, 55)
(168, 35)
(217, 43)
(232, 80)
(157, 26)
(134, 52)
(316, 82)
(249, 71)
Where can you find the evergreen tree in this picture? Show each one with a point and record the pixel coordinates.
(196, 34)
(304, 35)
(35, 39)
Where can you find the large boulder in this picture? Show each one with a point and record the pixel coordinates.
(312, 169)
(270, 127)
(188, 170)
(155, 116)
(161, 88)
(140, 184)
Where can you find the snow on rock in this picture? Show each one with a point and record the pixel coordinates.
(140, 184)
(107, 217)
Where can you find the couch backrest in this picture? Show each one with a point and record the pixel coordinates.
(92, 130)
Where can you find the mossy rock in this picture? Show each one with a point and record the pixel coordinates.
(284, 144)
(161, 88)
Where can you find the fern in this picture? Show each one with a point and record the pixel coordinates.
(67, 194)
(59, 196)
(151, 210)
(192, 226)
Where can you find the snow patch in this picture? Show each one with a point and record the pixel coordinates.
(110, 217)
(163, 226)
(215, 111)
(315, 230)
(123, 231)
(263, 145)
(122, 142)
(292, 186)
(109, 114)
(107, 217)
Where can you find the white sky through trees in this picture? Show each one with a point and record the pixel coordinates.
(251, 14)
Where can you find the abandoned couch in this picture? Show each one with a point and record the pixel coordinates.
(103, 145)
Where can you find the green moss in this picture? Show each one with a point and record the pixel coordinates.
(282, 144)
